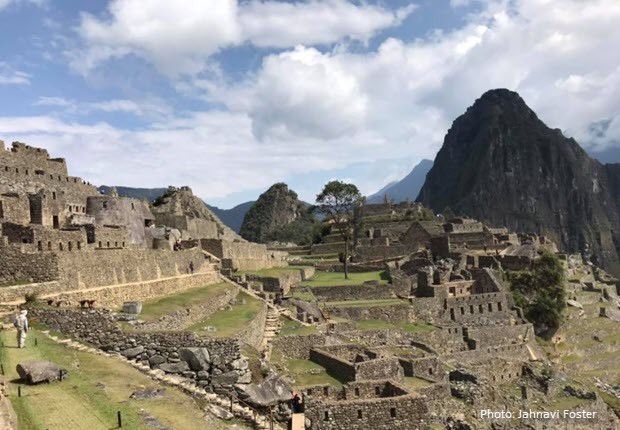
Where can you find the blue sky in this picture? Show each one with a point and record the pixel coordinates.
(231, 96)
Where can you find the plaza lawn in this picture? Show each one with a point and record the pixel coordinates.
(157, 308)
(230, 322)
(306, 372)
(384, 325)
(333, 279)
(97, 387)
(292, 328)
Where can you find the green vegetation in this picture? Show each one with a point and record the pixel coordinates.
(304, 295)
(386, 325)
(333, 279)
(365, 303)
(415, 383)
(540, 292)
(410, 215)
(274, 272)
(154, 309)
(230, 322)
(160, 200)
(97, 388)
(292, 328)
(279, 215)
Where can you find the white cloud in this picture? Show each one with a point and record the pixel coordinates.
(5, 3)
(10, 76)
(152, 108)
(179, 37)
(281, 24)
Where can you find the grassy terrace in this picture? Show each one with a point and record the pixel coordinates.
(304, 372)
(334, 279)
(292, 328)
(230, 322)
(96, 389)
(154, 309)
(365, 303)
(276, 271)
(385, 325)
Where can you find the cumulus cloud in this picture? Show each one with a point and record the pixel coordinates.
(179, 37)
(152, 108)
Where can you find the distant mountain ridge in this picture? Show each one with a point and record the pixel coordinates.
(501, 164)
(407, 188)
(232, 217)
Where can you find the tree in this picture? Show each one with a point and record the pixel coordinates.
(338, 202)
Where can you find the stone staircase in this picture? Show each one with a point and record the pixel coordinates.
(272, 328)
(239, 410)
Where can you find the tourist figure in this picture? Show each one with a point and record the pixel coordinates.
(21, 324)
(295, 403)
(191, 267)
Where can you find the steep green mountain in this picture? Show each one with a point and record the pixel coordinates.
(278, 215)
(501, 164)
(407, 188)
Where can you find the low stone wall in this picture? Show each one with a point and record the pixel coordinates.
(392, 313)
(382, 368)
(335, 366)
(244, 255)
(428, 368)
(299, 346)
(327, 248)
(223, 368)
(255, 330)
(501, 335)
(193, 314)
(284, 281)
(354, 292)
(381, 252)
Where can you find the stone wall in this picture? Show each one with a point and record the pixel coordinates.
(255, 330)
(118, 266)
(382, 368)
(17, 265)
(284, 280)
(428, 368)
(478, 308)
(382, 252)
(327, 248)
(299, 346)
(392, 313)
(221, 367)
(134, 214)
(244, 255)
(356, 292)
(396, 413)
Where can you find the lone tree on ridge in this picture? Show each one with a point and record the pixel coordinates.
(338, 202)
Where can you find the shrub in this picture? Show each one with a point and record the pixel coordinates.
(31, 298)
(540, 292)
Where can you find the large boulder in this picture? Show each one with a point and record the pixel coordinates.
(133, 352)
(179, 367)
(35, 372)
(197, 358)
(132, 308)
(271, 391)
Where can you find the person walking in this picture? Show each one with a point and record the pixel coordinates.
(21, 324)
(191, 267)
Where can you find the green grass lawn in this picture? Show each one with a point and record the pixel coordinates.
(230, 322)
(292, 328)
(154, 309)
(333, 279)
(303, 295)
(365, 303)
(96, 389)
(306, 372)
(415, 383)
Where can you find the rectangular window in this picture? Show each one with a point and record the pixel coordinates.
(357, 392)
(377, 391)
(499, 306)
(480, 308)
(326, 416)
(490, 307)
(326, 391)
(359, 414)
(393, 412)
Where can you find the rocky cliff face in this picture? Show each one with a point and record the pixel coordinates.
(277, 215)
(501, 164)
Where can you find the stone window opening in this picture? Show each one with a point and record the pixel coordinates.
(123, 244)
(26, 171)
(53, 195)
(16, 170)
(133, 207)
(430, 370)
(326, 391)
(499, 306)
(480, 310)
(99, 244)
(55, 222)
(490, 307)
(83, 210)
(377, 391)
(1, 210)
(59, 178)
(6, 168)
(359, 414)
(471, 309)
(40, 246)
(49, 246)
(51, 176)
(393, 412)
(104, 205)
(357, 392)
(462, 311)
(79, 245)
(326, 416)
(308, 392)
(24, 240)
(69, 246)
(452, 317)
(108, 244)
(60, 248)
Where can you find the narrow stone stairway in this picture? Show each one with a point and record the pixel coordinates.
(272, 328)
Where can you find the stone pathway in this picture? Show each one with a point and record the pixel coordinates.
(272, 328)
(188, 386)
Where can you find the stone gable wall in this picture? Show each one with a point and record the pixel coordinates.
(299, 346)
(392, 313)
